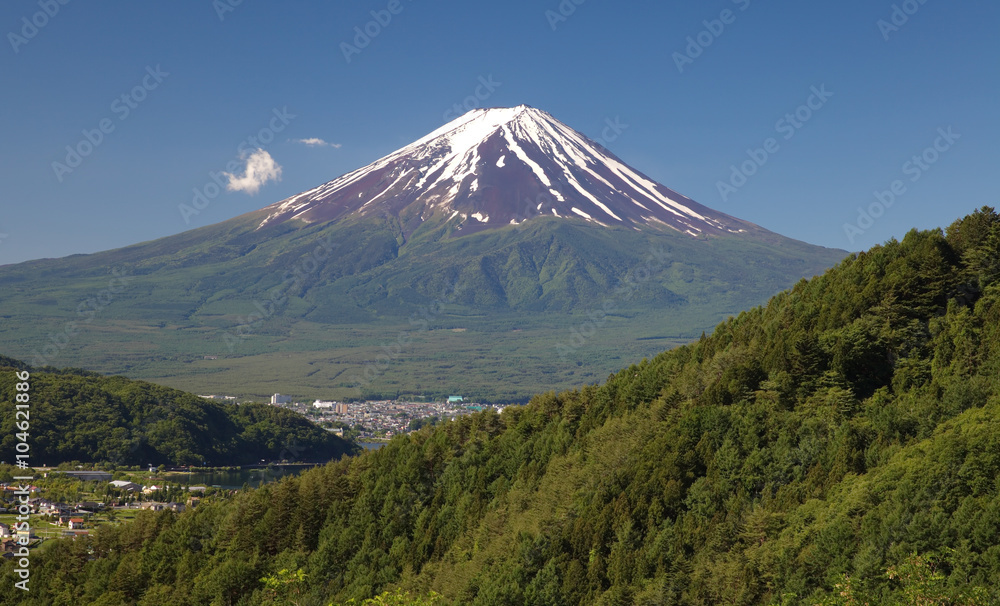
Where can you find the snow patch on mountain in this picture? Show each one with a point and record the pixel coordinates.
(508, 164)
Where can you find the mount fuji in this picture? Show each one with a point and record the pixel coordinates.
(496, 167)
(501, 255)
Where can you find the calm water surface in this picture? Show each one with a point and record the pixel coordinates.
(235, 478)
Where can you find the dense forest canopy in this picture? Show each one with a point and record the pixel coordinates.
(77, 415)
(839, 446)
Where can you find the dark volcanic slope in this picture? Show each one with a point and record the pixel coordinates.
(496, 167)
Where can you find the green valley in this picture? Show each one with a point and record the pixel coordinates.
(362, 309)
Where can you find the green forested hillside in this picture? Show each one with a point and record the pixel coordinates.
(839, 446)
(80, 416)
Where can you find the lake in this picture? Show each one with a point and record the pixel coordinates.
(235, 478)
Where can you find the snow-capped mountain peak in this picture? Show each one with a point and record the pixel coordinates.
(494, 167)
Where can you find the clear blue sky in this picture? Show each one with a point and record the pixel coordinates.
(893, 88)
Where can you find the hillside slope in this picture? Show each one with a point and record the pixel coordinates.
(81, 416)
(818, 441)
(307, 310)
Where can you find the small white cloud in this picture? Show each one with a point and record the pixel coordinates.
(316, 142)
(260, 169)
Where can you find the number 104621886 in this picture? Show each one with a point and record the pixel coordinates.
(22, 418)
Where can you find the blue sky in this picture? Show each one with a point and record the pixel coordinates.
(202, 77)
